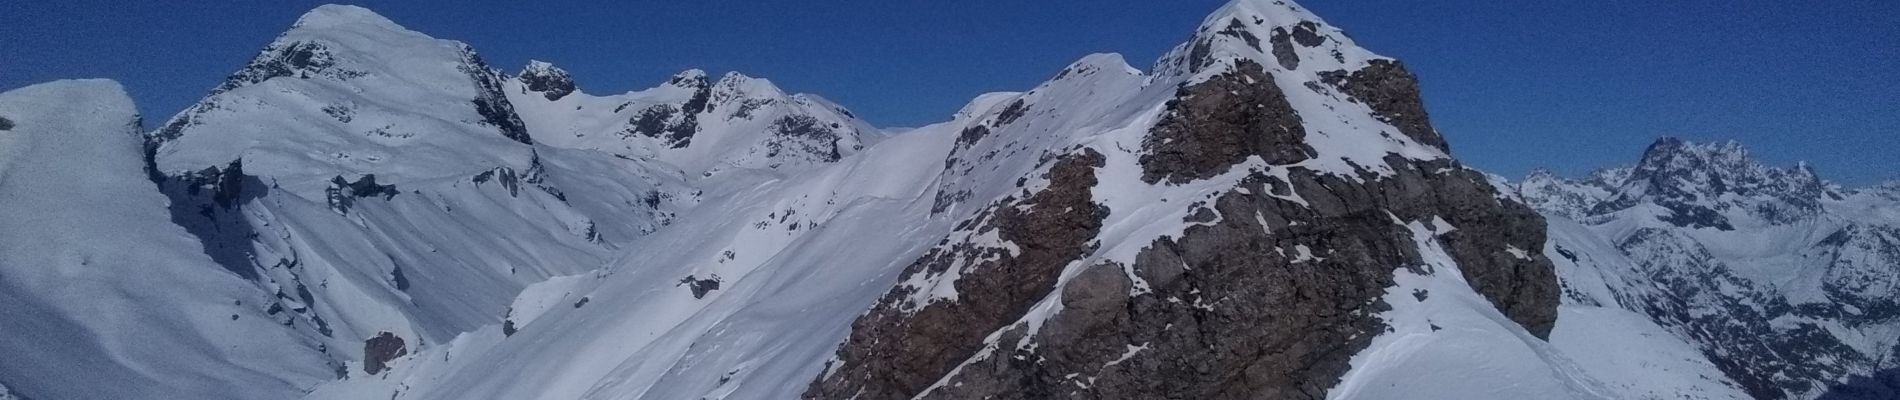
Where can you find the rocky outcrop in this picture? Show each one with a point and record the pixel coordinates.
(550, 81)
(291, 59)
(1306, 34)
(1272, 305)
(699, 287)
(342, 193)
(905, 344)
(1262, 296)
(207, 203)
(490, 101)
(804, 135)
(675, 125)
(1392, 93)
(380, 350)
(534, 177)
(1275, 277)
(1211, 126)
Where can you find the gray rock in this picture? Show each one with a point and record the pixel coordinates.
(1229, 313)
(380, 350)
(1392, 93)
(898, 349)
(1233, 316)
(1211, 126)
(551, 82)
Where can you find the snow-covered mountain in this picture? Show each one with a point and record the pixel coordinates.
(377, 183)
(364, 211)
(1019, 228)
(103, 297)
(1782, 281)
(691, 122)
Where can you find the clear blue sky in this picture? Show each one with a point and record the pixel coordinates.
(1515, 85)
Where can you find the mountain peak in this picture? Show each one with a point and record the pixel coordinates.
(1273, 12)
(735, 85)
(335, 15)
(1669, 147)
(342, 42)
(691, 79)
(1269, 32)
(363, 84)
(1095, 63)
(538, 66)
(1724, 160)
(1699, 181)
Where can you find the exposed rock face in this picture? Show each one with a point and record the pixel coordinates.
(1271, 286)
(380, 350)
(490, 101)
(1392, 93)
(676, 125)
(804, 134)
(902, 346)
(6, 124)
(205, 203)
(1211, 126)
(1263, 297)
(343, 194)
(699, 287)
(971, 135)
(1236, 312)
(1305, 34)
(1016, 110)
(211, 204)
(552, 82)
(534, 177)
(293, 59)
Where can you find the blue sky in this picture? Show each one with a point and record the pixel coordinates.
(1514, 85)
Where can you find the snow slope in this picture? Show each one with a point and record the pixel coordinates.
(104, 296)
(1447, 342)
(1622, 346)
(794, 257)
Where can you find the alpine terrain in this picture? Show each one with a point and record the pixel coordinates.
(367, 212)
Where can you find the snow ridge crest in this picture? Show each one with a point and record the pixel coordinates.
(336, 15)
